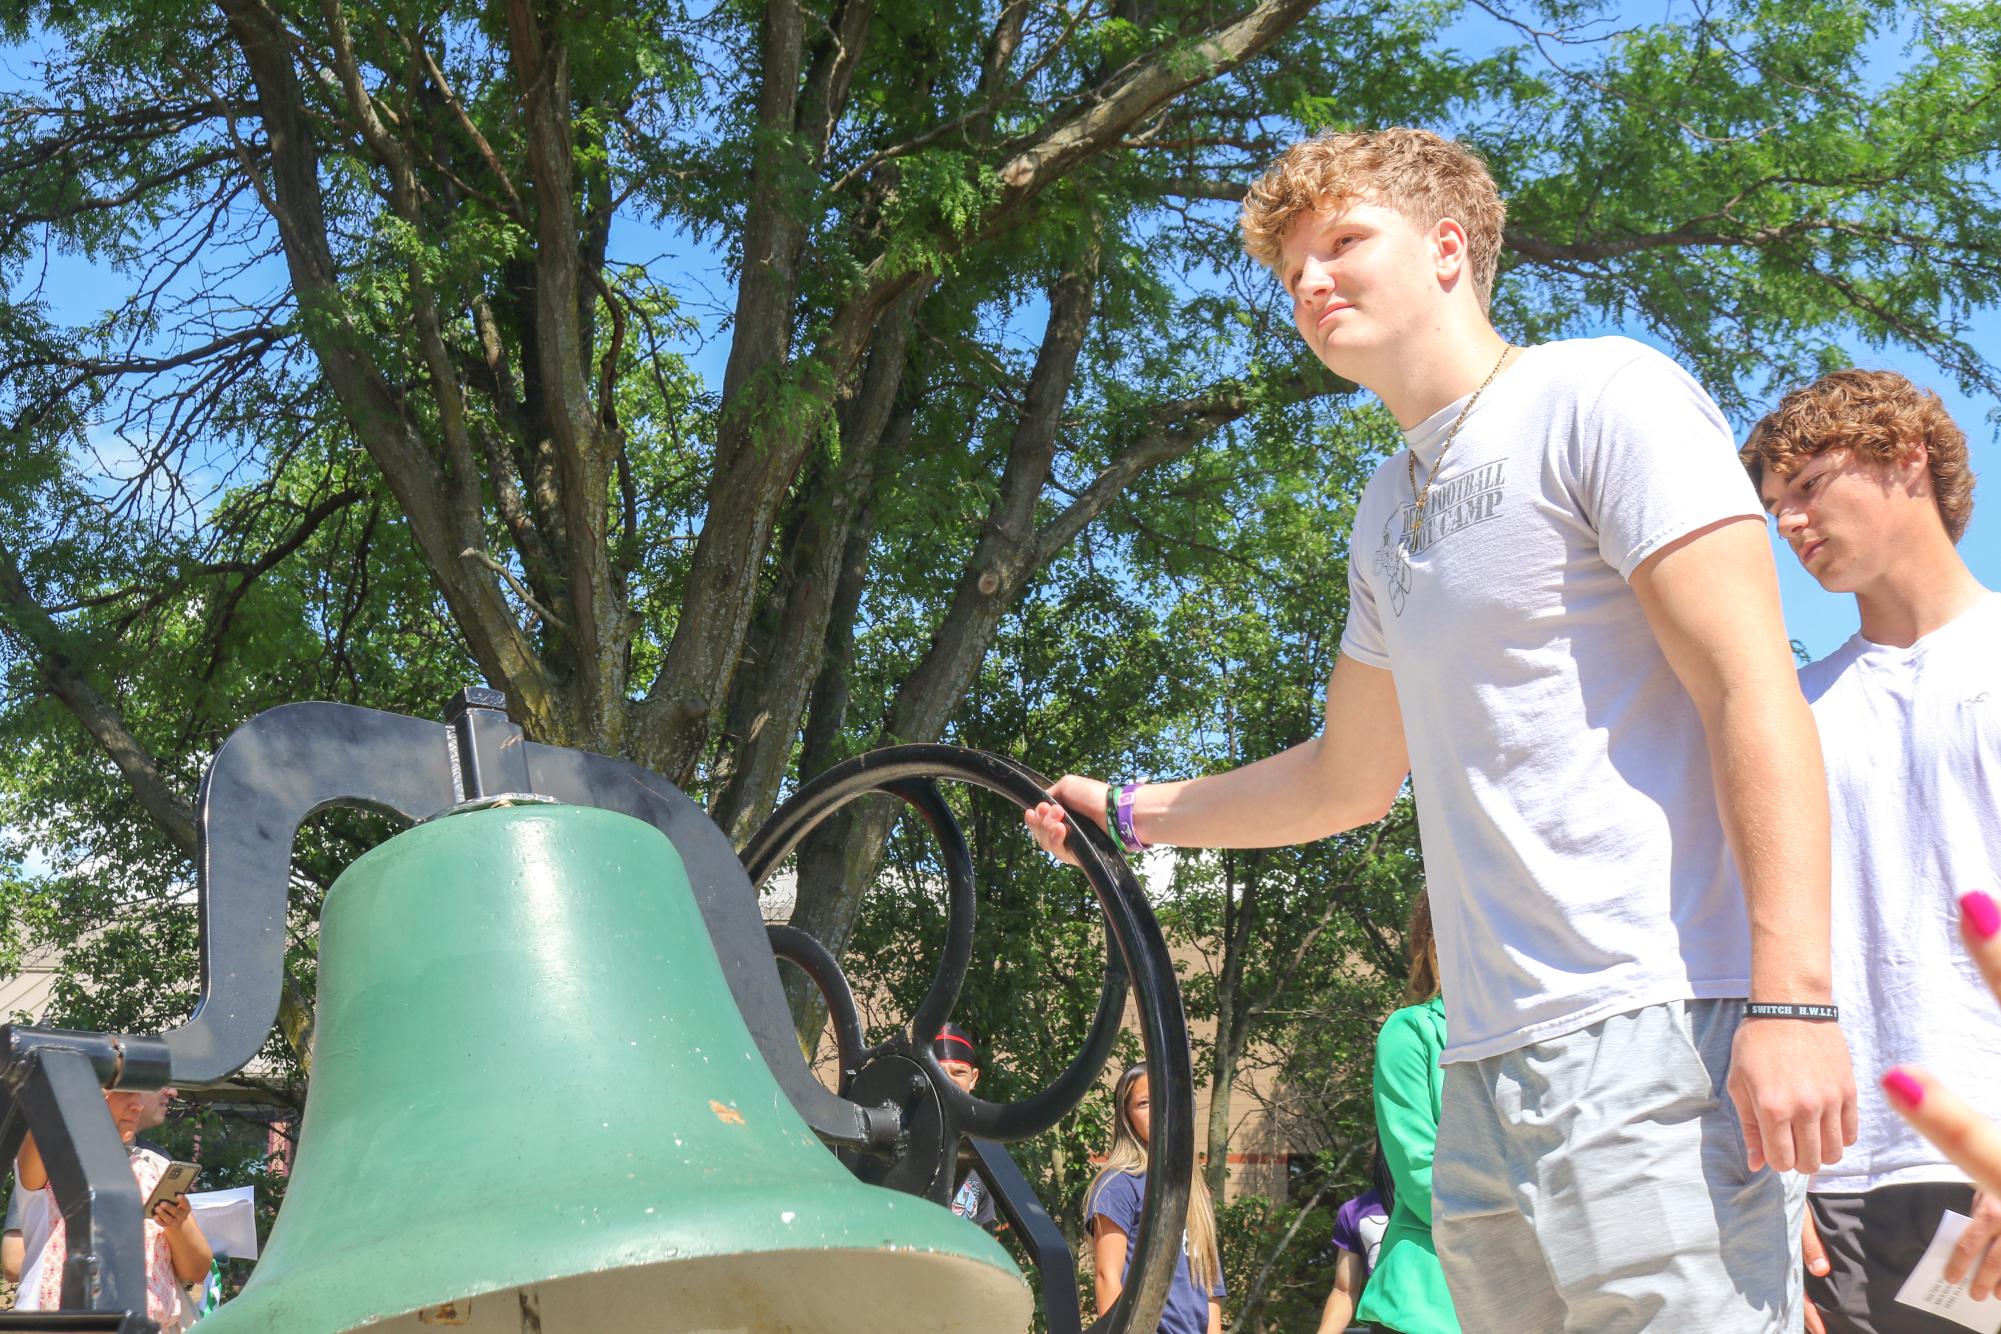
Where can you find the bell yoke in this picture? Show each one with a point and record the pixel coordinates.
(573, 929)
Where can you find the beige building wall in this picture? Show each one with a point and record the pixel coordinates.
(1260, 1149)
(25, 995)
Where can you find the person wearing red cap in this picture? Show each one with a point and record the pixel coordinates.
(955, 1051)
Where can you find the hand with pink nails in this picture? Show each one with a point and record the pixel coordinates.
(1966, 1136)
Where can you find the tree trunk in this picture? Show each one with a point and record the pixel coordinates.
(839, 860)
(808, 587)
(1232, 1015)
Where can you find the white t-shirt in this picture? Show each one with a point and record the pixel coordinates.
(1572, 845)
(1912, 738)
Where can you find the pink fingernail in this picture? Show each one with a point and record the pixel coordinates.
(1905, 1091)
(1981, 915)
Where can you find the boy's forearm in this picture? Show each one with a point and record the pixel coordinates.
(1349, 775)
(1296, 796)
(1772, 792)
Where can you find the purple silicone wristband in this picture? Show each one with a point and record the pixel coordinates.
(1128, 835)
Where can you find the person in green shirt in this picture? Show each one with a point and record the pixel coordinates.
(1406, 1293)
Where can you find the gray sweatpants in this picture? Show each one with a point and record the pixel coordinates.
(1595, 1184)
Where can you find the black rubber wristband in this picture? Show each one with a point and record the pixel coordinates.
(1762, 1010)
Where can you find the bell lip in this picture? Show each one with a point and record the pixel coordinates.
(881, 1289)
(391, 1276)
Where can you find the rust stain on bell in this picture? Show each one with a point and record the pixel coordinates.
(447, 1313)
(726, 1114)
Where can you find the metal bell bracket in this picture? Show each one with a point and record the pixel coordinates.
(940, 1117)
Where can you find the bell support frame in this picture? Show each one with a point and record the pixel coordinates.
(1137, 951)
(280, 768)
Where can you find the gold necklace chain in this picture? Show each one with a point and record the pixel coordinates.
(1417, 509)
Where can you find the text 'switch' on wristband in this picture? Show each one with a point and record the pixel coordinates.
(1776, 1010)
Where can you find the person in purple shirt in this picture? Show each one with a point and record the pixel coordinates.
(1358, 1238)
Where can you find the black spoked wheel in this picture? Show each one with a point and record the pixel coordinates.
(937, 1113)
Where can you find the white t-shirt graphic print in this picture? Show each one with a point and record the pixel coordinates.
(1575, 856)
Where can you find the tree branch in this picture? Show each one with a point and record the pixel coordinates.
(520, 589)
(1138, 91)
(1204, 187)
(1156, 447)
(1285, 974)
(1257, 1288)
(515, 208)
(1006, 35)
(44, 643)
(1692, 234)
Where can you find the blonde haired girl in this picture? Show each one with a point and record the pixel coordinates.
(1112, 1209)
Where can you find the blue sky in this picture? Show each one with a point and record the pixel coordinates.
(1819, 620)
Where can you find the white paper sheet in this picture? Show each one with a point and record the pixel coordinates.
(1927, 1289)
(228, 1219)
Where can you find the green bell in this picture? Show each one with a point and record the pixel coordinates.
(535, 1107)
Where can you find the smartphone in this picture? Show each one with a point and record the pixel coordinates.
(174, 1182)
